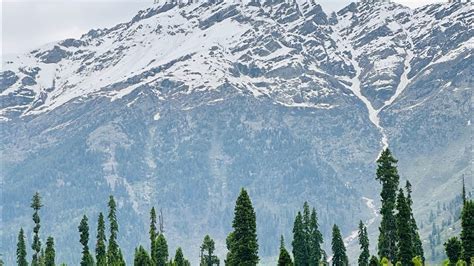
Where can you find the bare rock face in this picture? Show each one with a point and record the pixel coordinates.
(185, 104)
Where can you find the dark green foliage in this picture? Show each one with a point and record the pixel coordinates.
(161, 251)
(415, 236)
(100, 248)
(83, 228)
(338, 249)
(374, 261)
(387, 175)
(314, 239)
(300, 251)
(21, 249)
(207, 252)
(364, 245)
(49, 253)
(404, 245)
(284, 258)
(36, 245)
(141, 257)
(114, 254)
(453, 250)
(307, 239)
(153, 233)
(243, 243)
(179, 258)
(467, 232)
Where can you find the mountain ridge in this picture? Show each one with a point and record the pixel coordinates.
(237, 87)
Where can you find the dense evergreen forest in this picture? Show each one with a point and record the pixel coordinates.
(399, 242)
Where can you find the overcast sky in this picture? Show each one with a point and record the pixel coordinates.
(27, 24)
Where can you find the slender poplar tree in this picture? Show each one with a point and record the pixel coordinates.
(83, 228)
(36, 245)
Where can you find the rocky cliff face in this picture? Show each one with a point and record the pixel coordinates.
(185, 104)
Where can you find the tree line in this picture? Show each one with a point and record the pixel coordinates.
(398, 242)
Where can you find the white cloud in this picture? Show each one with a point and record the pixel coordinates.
(27, 24)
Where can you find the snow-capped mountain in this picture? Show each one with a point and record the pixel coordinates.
(186, 103)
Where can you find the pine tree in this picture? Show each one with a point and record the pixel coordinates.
(404, 247)
(244, 246)
(100, 248)
(364, 245)
(179, 259)
(453, 250)
(49, 253)
(415, 236)
(300, 251)
(161, 251)
(374, 261)
(36, 245)
(141, 257)
(83, 228)
(207, 252)
(113, 250)
(315, 240)
(387, 175)
(467, 231)
(21, 249)
(464, 198)
(338, 249)
(153, 233)
(284, 258)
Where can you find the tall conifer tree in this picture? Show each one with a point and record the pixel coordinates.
(364, 245)
(284, 258)
(114, 254)
(244, 245)
(179, 259)
(453, 250)
(21, 249)
(315, 240)
(83, 228)
(300, 251)
(100, 247)
(161, 251)
(207, 252)
(141, 257)
(387, 175)
(36, 245)
(153, 233)
(49, 253)
(339, 257)
(405, 246)
(467, 231)
(415, 236)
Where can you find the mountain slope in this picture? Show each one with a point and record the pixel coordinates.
(185, 104)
